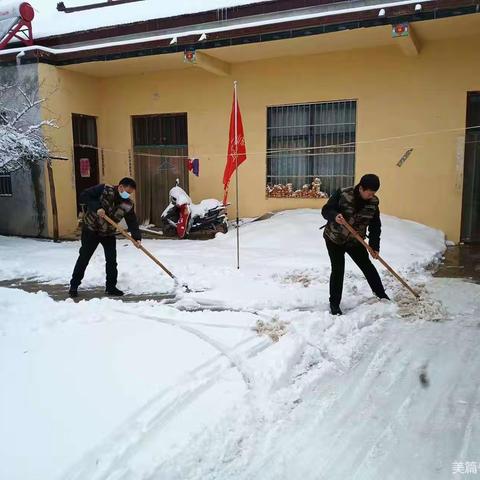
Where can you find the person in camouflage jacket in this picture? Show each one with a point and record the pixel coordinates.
(359, 206)
(98, 201)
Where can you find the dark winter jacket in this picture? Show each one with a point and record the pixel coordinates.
(107, 197)
(360, 214)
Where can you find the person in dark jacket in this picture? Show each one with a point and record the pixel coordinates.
(359, 207)
(98, 201)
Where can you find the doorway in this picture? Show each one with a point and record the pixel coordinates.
(471, 175)
(85, 153)
(160, 144)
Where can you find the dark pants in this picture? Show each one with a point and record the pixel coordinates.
(90, 241)
(359, 255)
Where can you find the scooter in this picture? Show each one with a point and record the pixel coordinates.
(182, 216)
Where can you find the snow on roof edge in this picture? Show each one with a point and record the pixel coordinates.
(52, 22)
(249, 24)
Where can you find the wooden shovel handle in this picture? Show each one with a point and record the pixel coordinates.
(379, 258)
(140, 246)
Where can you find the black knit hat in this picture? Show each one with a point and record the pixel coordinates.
(370, 182)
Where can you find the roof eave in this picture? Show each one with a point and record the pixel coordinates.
(281, 30)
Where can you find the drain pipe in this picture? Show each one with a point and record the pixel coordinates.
(19, 57)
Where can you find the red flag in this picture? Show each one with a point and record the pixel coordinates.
(237, 152)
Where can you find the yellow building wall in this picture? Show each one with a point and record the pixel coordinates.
(398, 96)
(66, 93)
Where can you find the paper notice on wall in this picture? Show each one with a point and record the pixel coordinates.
(85, 167)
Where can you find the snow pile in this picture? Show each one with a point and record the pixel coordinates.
(423, 308)
(273, 329)
(279, 257)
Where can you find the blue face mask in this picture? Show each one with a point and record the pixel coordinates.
(125, 195)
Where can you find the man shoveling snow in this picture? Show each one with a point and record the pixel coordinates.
(102, 200)
(359, 207)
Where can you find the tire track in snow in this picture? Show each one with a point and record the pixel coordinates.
(183, 400)
(245, 439)
(374, 447)
(236, 361)
(411, 423)
(356, 424)
(453, 408)
(341, 406)
(102, 461)
(379, 359)
(392, 454)
(472, 421)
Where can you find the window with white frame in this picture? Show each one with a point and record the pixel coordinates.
(310, 148)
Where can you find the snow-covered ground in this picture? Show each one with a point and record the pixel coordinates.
(278, 258)
(103, 389)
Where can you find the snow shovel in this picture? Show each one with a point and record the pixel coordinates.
(380, 259)
(147, 253)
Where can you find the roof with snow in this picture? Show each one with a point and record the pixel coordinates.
(49, 21)
(122, 28)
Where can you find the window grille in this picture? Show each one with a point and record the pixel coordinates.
(310, 148)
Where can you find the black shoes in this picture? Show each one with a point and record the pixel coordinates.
(335, 309)
(114, 292)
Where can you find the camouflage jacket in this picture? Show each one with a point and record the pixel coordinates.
(108, 198)
(360, 214)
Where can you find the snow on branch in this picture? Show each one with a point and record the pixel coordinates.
(22, 140)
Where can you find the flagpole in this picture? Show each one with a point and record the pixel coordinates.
(236, 173)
